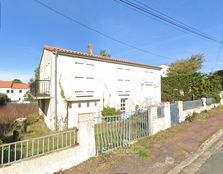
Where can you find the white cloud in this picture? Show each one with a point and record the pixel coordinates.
(24, 76)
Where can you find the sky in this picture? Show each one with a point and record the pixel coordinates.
(26, 27)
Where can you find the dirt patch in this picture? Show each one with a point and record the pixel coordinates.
(166, 149)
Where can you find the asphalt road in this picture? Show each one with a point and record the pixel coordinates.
(214, 165)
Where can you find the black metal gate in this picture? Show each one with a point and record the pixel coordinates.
(174, 113)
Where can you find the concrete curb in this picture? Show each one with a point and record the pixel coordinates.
(201, 151)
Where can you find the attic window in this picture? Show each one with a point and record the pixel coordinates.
(80, 63)
(89, 91)
(78, 92)
(92, 78)
(148, 72)
(78, 77)
(90, 64)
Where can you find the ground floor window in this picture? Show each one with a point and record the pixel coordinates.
(123, 105)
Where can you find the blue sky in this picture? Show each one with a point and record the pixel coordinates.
(26, 27)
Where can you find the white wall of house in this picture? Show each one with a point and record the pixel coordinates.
(16, 95)
(89, 85)
(164, 70)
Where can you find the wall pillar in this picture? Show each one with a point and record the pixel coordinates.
(180, 111)
(204, 102)
(221, 96)
(152, 116)
(86, 137)
(167, 114)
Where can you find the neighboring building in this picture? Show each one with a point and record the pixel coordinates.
(164, 70)
(15, 91)
(76, 84)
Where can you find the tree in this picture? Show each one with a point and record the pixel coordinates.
(37, 73)
(190, 87)
(186, 66)
(220, 75)
(185, 82)
(104, 53)
(17, 81)
(3, 99)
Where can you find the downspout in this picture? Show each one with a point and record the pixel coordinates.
(55, 77)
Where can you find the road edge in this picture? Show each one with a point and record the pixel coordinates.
(201, 150)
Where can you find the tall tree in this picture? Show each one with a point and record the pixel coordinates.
(104, 53)
(185, 82)
(37, 73)
(186, 66)
(17, 81)
(220, 75)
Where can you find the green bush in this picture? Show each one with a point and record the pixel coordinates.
(108, 111)
(4, 99)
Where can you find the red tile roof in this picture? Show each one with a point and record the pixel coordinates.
(20, 86)
(5, 84)
(51, 48)
(9, 84)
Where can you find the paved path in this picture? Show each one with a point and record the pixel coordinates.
(214, 165)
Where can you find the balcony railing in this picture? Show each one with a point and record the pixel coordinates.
(40, 88)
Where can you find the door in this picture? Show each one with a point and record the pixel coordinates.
(174, 114)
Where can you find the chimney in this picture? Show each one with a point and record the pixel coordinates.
(90, 49)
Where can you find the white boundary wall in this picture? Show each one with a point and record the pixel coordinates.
(59, 160)
(73, 156)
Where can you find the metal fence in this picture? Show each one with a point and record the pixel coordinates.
(118, 131)
(40, 88)
(26, 149)
(192, 104)
(210, 101)
(160, 111)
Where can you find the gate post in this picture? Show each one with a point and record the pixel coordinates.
(167, 114)
(152, 116)
(86, 135)
(181, 116)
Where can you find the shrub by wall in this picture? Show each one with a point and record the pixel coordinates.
(12, 111)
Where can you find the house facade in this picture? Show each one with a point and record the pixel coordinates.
(15, 91)
(164, 70)
(76, 84)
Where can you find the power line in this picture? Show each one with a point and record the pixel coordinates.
(218, 54)
(145, 9)
(97, 31)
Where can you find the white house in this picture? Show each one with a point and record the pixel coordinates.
(164, 70)
(76, 84)
(15, 91)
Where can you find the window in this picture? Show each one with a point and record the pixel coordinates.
(95, 103)
(20, 91)
(122, 108)
(90, 64)
(88, 104)
(7, 91)
(90, 78)
(79, 105)
(12, 91)
(78, 77)
(80, 63)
